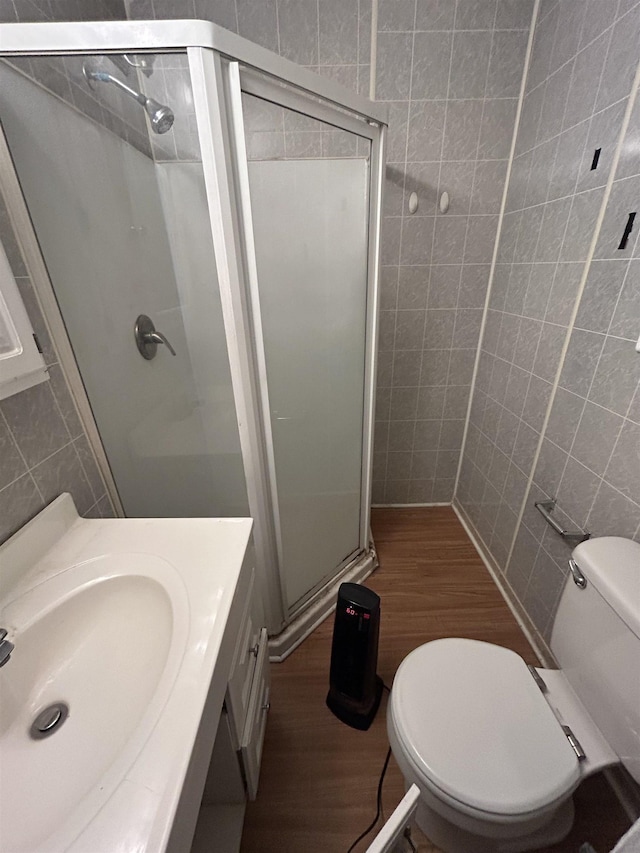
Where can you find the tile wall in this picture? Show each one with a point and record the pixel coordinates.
(331, 37)
(581, 442)
(451, 74)
(43, 448)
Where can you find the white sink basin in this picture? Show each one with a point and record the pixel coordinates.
(128, 640)
(106, 639)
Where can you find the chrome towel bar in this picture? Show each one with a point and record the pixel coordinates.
(545, 508)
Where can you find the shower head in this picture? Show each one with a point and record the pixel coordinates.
(160, 116)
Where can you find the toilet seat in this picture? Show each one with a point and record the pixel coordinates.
(478, 732)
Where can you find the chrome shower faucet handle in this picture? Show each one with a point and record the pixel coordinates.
(147, 338)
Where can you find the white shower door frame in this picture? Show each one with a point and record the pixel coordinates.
(222, 65)
(218, 84)
(243, 80)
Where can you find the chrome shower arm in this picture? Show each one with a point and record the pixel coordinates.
(104, 77)
(160, 115)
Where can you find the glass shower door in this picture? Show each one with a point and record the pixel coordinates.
(121, 217)
(308, 183)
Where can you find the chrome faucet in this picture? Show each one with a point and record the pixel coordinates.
(5, 647)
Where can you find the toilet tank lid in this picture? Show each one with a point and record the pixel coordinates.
(612, 565)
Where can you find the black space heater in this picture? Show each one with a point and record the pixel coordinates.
(354, 688)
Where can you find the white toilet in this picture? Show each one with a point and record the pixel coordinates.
(497, 747)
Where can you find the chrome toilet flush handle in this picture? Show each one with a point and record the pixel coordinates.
(5, 647)
(578, 578)
(147, 338)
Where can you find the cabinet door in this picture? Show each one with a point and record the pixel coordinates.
(253, 735)
(242, 669)
(389, 837)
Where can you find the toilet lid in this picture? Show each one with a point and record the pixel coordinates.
(472, 719)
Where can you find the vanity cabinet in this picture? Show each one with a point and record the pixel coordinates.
(233, 773)
(184, 689)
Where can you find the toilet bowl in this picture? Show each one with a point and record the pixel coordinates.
(468, 724)
(496, 747)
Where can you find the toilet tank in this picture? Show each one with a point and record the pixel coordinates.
(596, 641)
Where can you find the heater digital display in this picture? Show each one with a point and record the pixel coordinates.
(352, 612)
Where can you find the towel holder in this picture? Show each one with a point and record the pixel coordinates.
(574, 537)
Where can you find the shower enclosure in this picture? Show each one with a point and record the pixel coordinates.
(201, 221)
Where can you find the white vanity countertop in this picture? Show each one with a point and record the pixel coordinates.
(134, 809)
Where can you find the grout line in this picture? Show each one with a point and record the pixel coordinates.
(94, 505)
(435, 217)
(84, 469)
(235, 8)
(401, 218)
(277, 24)
(8, 485)
(449, 30)
(358, 51)
(51, 455)
(453, 100)
(586, 120)
(578, 299)
(31, 468)
(485, 312)
(568, 453)
(373, 58)
(17, 446)
(466, 234)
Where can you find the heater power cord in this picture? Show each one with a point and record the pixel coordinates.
(378, 801)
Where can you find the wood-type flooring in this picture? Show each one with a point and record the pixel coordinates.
(319, 777)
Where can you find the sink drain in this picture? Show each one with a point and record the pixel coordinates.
(49, 720)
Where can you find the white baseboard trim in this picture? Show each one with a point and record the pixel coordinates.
(536, 640)
(408, 506)
(281, 646)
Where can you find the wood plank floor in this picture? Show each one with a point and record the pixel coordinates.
(319, 777)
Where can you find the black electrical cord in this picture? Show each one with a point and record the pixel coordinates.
(379, 803)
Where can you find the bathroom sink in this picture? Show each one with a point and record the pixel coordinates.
(119, 621)
(105, 639)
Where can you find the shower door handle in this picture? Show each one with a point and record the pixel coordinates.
(147, 338)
